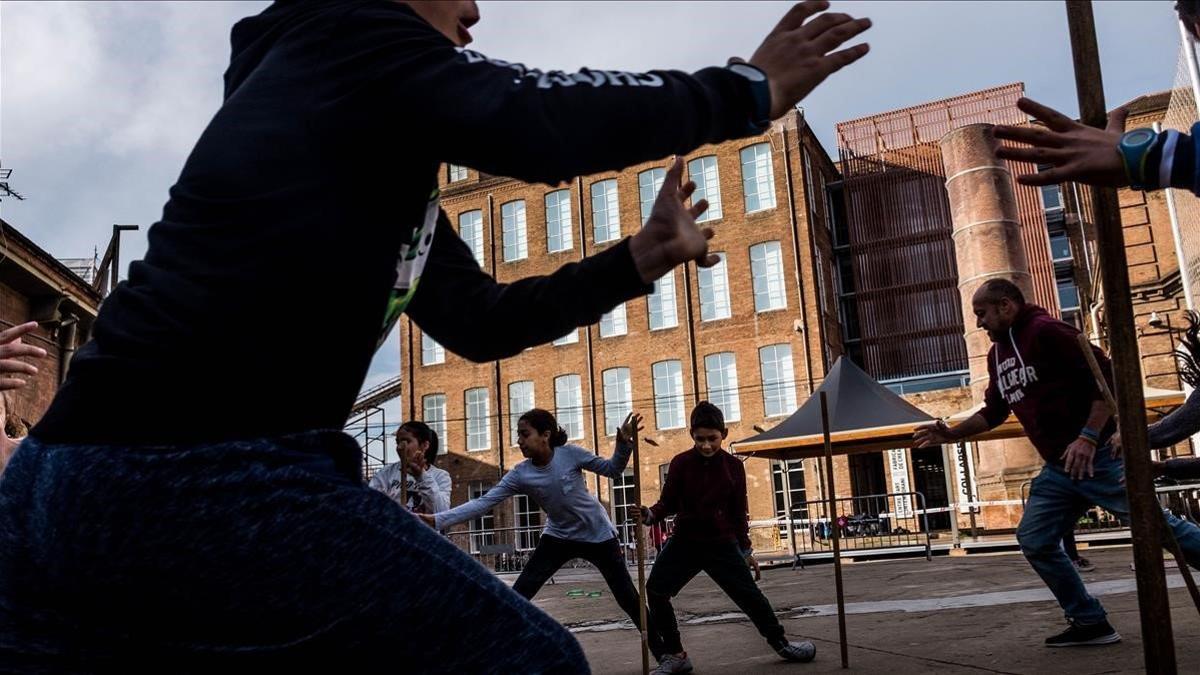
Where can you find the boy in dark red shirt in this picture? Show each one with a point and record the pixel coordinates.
(706, 492)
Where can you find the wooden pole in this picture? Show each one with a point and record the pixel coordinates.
(831, 493)
(1146, 520)
(403, 479)
(640, 547)
(1171, 542)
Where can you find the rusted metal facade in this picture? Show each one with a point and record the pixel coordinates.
(900, 246)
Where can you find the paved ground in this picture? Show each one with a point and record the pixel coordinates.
(978, 613)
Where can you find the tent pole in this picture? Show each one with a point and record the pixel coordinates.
(837, 540)
(786, 469)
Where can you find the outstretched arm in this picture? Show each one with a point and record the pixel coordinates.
(476, 507)
(456, 296)
(508, 120)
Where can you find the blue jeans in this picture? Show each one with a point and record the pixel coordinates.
(1055, 500)
(264, 554)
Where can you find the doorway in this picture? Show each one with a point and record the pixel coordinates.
(866, 478)
(929, 478)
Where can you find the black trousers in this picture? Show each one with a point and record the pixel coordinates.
(552, 553)
(682, 560)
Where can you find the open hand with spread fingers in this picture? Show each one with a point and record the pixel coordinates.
(632, 423)
(670, 235)
(12, 350)
(1075, 151)
(799, 53)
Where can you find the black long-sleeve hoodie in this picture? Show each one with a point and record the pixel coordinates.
(1038, 371)
(307, 213)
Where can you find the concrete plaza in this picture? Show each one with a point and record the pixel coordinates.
(978, 613)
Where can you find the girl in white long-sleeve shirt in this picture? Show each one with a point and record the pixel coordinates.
(577, 526)
(428, 486)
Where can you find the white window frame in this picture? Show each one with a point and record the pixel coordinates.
(649, 183)
(432, 353)
(456, 173)
(766, 275)
(668, 394)
(568, 404)
(558, 221)
(758, 177)
(433, 413)
(470, 230)
(721, 379)
(618, 398)
(513, 227)
(809, 180)
(715, 281)
(606, 211)
(661, 310)
(478, 422)
(622, 497)
(482, 529)
(820, 274)
(528, 520)
(568, 339)
(704, 172)
(780, 485)
(520, 401)
(614, 322)
(779, 391)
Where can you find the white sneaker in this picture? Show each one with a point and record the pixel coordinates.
(673, 663)
(798, 652)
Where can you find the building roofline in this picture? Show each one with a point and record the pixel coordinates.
(927, 104)
(12, 236)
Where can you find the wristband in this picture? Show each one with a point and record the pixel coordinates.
(1134, 148)
(760, 95)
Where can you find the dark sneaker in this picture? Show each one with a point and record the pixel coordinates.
(673, 663)
(797, 652)
(1083, 565)
(1078, 635)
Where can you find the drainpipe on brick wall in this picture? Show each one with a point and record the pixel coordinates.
(66, 345)
(587, 336)
(491, 203)
(787, 174)
(812, 252)
(691, 325)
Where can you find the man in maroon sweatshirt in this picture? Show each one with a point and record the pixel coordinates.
(1037, 371)
(706, 492)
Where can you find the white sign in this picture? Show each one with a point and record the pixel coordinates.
(898, 463)
(964, 457)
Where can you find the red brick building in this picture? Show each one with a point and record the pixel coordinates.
(755, 334)
(36, 287)
(820, 258)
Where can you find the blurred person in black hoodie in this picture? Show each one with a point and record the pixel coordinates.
(187, 501)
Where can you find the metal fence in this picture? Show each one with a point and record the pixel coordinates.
(895, 521)
(1094, 520)
(1182, 500)
(878, 524)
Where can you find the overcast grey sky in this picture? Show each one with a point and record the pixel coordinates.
(100, 102)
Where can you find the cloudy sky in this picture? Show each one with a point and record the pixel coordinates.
(100, 102)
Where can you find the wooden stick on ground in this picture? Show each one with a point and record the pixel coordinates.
(837, 541)
(641, 550)
(403, 480)
(1171, 541)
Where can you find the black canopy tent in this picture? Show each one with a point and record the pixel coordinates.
(864, 416)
